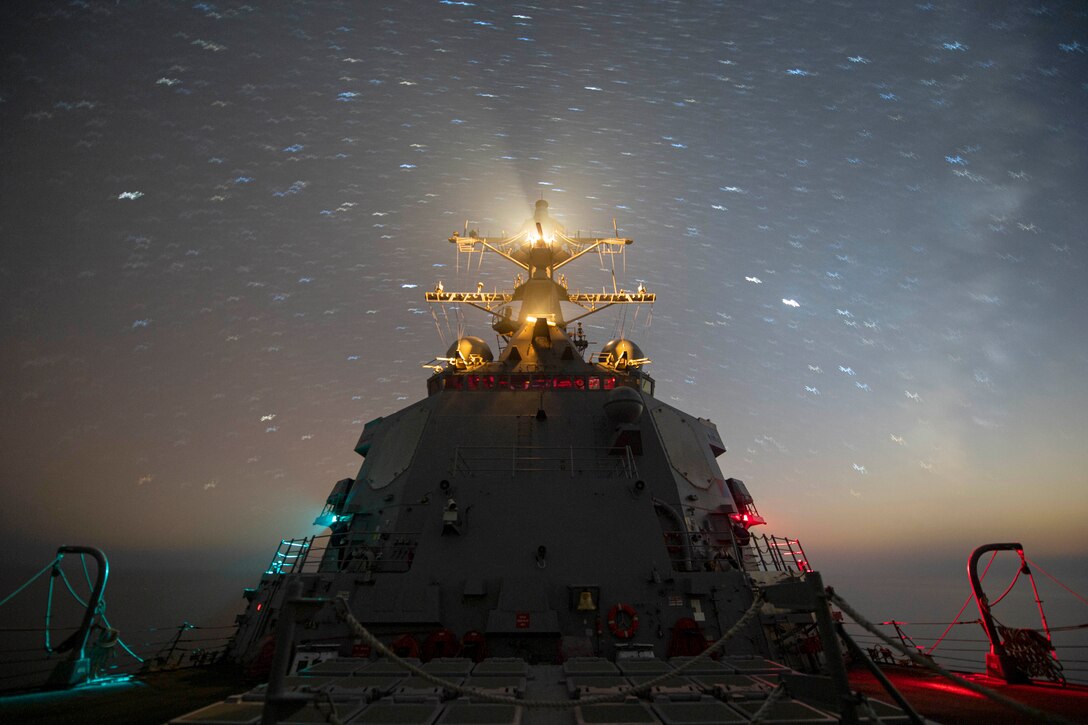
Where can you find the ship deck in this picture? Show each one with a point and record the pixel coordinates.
(942, 701)
(214, 695)
(144, 699)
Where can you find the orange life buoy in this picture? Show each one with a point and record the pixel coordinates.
(613, 626)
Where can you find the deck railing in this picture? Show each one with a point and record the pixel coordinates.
(778, 553)
(384, 551)
(708, 551)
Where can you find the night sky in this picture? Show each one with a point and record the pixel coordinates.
(865, 223)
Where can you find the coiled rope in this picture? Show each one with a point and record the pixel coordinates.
(364, 634)
(1032, 653)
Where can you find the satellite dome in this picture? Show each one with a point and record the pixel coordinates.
(471, 351)
(620, 353)
(624, 405)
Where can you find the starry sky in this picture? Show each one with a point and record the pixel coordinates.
(864, 222)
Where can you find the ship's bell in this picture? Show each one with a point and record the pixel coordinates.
(585, 601)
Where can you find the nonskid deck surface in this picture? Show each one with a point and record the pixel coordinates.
(948, 703)
(376, 692)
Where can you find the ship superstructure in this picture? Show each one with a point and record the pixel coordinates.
(535, 503)
(538, 506)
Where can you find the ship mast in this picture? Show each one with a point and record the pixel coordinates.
(539, 251)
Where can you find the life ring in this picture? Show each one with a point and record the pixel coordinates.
(613, 626)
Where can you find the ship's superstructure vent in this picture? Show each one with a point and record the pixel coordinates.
(564, 461)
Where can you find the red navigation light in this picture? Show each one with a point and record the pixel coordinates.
(747, 519)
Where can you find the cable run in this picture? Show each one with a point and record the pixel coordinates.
(47, 568)
(1055, 579)
(343, 610)
(1008, 589)
(969, 599)
(765, 709)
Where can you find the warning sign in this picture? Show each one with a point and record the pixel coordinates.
(521, 620)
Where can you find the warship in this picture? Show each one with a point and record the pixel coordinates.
(540, 527)
(542, 539)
